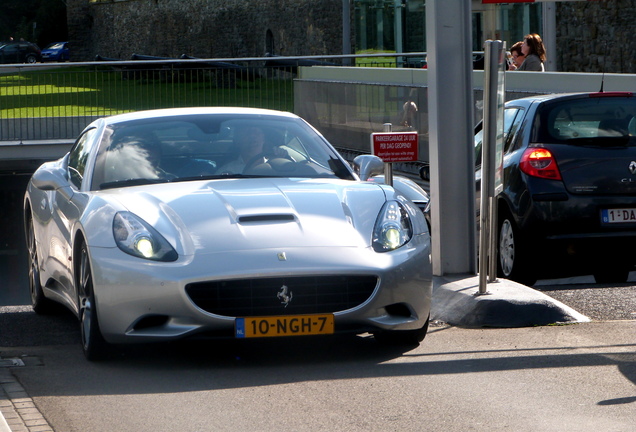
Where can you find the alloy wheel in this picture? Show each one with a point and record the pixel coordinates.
(93, 343)
(506, 248)
(34, 272)
(84, 293)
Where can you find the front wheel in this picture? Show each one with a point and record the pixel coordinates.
(93, 343)
(612, 272)
(513, 253)
(39, 303)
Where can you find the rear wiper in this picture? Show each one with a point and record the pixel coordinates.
(618, 141)
(131, 182)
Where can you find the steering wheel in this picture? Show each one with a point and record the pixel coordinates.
(264, 157)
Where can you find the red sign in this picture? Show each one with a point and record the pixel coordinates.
(395, 146)
(508, 1)
(526, 1)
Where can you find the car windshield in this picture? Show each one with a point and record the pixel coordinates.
(212, 146)
(597, 121)
(58, 45)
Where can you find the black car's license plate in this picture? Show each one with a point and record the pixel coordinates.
(623, 215)
(291, 325)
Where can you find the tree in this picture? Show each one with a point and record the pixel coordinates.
(40, 21)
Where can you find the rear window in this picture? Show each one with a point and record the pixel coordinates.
(589, 121)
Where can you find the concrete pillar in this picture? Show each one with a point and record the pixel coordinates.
(549, 35)
(449, 56)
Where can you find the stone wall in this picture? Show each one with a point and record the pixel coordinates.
(596, 36)
(204, 28)
(591, 36)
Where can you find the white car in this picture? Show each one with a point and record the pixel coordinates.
(149, 230)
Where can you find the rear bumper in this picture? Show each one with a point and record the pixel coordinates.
(574, 225)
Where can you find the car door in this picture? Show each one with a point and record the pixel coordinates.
(67, 205)
(10, 53)
(513, 116)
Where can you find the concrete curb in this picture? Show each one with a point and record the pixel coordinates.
(18, 413)
(6, 406)
(456, 301)
(4, 427)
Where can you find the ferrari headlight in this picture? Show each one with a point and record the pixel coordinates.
(392, 228)
(136, 237)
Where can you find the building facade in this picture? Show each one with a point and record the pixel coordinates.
(580, 36)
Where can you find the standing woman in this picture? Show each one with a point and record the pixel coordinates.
(516, 55)
(534, 51)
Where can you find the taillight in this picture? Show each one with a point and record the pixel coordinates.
(611, 94)
(539, 162)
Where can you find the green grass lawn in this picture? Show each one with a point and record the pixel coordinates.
(379, 61)
(97, 91)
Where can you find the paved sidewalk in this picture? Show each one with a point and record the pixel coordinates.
(18, 413)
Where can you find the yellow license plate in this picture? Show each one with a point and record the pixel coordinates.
(292, 325)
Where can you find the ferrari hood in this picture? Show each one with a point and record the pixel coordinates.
(241, 214)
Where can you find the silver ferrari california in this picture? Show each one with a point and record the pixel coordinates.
(223, 222)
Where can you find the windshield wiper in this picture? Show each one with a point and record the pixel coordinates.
(199, 177)
(131, 182)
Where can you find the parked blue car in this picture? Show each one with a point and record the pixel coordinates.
(57, 51)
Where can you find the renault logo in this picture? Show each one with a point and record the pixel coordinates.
(632, 167)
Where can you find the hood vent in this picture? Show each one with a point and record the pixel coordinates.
(267, 218)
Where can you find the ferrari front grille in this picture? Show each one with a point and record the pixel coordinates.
(282, 296)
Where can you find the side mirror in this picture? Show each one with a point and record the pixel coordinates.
(49, 179)
(425, 173)
(367, 166)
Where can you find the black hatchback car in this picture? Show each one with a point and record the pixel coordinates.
(569, 197)
(20, 52)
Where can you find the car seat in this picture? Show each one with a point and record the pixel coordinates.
(613, 127)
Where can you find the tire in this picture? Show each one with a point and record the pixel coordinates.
(30, 59)
(513, 252)
(402, 337)
(40, 304)
(609, 274)
(94, 345)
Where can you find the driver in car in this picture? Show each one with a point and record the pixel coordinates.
(250, 141)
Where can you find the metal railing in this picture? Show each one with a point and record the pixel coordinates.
(56, 100)
(39, 103)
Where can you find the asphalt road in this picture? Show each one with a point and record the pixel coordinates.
(576, 377)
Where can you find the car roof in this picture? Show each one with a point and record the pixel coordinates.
(17, 43)
(166, 112)
(564, 96)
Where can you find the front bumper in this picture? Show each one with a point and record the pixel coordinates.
(143, 301)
